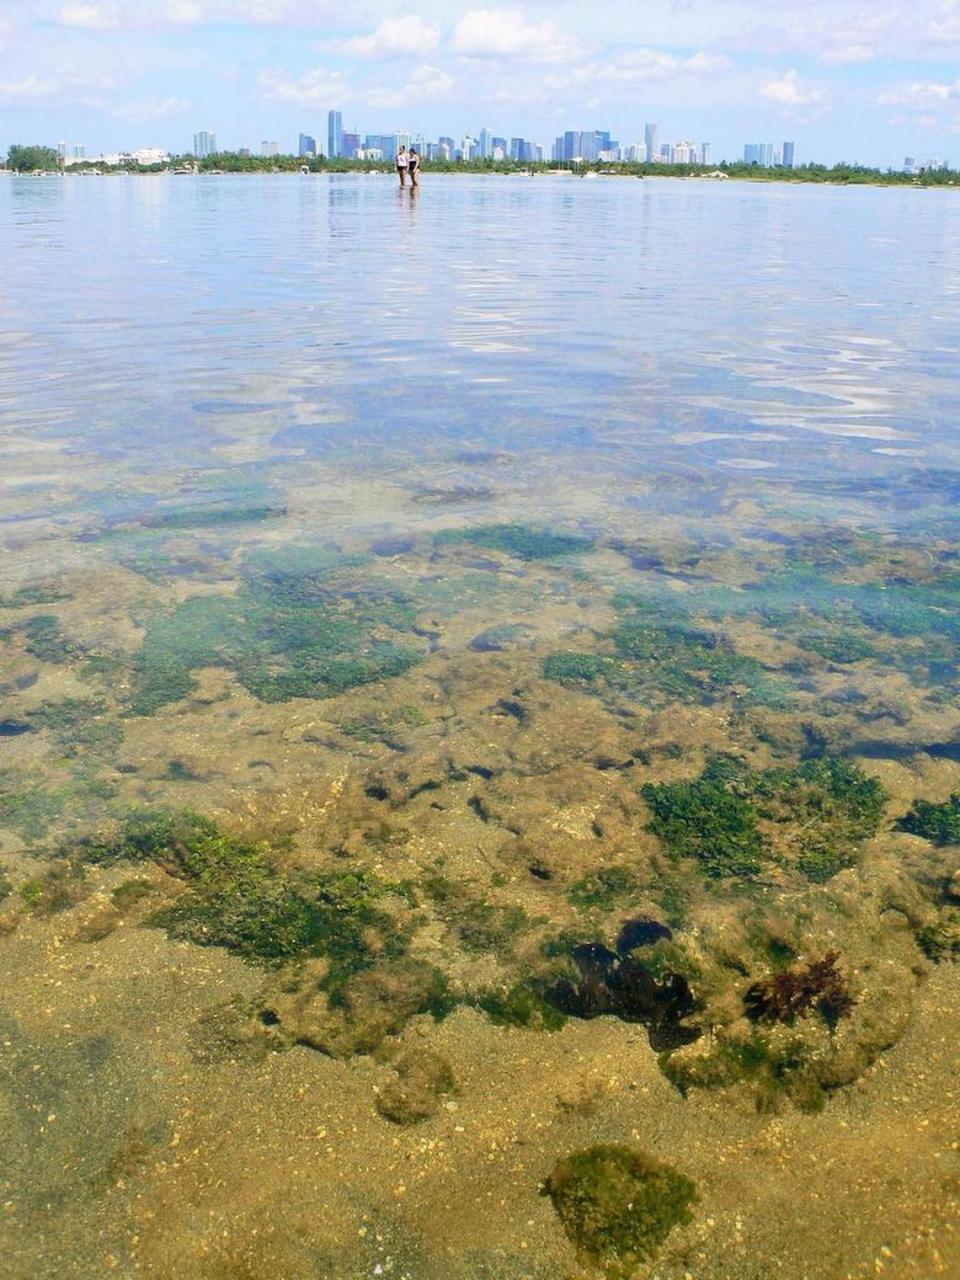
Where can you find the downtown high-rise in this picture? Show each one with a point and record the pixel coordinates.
(204, 144)
(334, 135)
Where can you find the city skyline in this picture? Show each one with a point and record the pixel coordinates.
(856, 85)
(587, 146)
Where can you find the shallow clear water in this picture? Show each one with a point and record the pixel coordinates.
(809, 331)
(423, 545)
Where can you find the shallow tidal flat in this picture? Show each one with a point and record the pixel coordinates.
(492, 820)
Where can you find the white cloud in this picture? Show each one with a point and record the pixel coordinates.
(147, 14)
(848, 55)
(55, 87)
(643, 66)
(316, 87)
(426, 84)
(95, 17)
(788, 91)
(506, 34)
(148, 109)
(921, 94)
(393, 37)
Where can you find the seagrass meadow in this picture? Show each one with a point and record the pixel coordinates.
(479, 748)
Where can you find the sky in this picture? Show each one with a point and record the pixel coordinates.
(845, 79)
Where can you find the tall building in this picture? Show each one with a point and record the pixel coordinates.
(760, 153)
(788, 155)
(204, 144)
(61, 151)
(523, 151)
(268, 148)
(650, 138)
(349, 146)
(704, 152)
(79, 152)
(499, 144)
(485, 144)
(308, 145)
(335, 135)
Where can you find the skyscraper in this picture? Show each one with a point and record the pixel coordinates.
(704, 152)
(268, 148)
(308, 145)
(204, 144)
(485, 144)
(650, 138)
(334, 134)
(760, 153)
(788, 155)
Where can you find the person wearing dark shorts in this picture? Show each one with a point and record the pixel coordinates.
(403, 164)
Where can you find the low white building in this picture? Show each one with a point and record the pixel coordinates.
(144, 156)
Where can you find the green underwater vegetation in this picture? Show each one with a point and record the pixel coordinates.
(617, 1205)
(661, 655)
(292, 630)
(731, 820)
(937, 822)
(518, 540)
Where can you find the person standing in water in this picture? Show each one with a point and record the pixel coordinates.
(413, 165)
(403, 163)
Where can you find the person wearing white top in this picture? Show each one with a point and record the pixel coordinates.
(402, 165)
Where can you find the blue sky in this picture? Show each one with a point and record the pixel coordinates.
(846, 80)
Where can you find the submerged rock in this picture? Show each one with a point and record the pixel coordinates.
(623, 986)
(423, 1078)
(617, 1205)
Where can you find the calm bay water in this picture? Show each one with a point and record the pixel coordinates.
(799, 328)
(478, 691)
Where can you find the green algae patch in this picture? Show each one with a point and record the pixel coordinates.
(129, 893)
(617, 1205)
(706, 821)
(940, 940)
(824, 809)
(79, 725)
(812, 818)
(237, 896)
(842, 649)
(30, 811)
(517, 540)
(660, 655)
(295, 629)
(35, 594)
(939, 823)
(423, 1079)
(603, 889)
(211, 516)
(518, 1006)
(571, 668)
(44, 638)
(58, 889)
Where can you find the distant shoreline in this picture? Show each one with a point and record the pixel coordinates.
(718, 176)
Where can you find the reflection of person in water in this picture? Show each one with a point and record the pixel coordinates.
(413, 167)
(403, 163)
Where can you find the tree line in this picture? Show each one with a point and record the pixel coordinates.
(38, 158)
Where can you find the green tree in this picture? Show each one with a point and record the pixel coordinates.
(25, 159)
